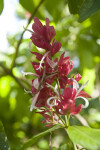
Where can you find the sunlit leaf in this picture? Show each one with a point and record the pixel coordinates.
(28, 5)
(1, 6)
(85, 136)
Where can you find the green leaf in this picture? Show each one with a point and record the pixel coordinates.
(35, 138)
(1, 6)
(85, 136)
(74, 6)
(3, 139)
(88, 8)
(84, 8)
(28, 5)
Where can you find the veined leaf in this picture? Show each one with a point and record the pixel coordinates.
(35, 138)
(84, 8)
(85, 136)
(1, 6)
(3, 139)
(88, 8)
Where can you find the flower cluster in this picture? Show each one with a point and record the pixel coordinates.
(54, 93)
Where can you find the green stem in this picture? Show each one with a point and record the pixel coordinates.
(58, 86)
(66, 120)
(68, 116)
(61, 119)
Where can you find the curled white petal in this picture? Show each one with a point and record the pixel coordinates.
(75, 84)
(49, 99)
(27, 91)
(34, 99)
(51, 63)
(36, 83)
(28, 73)
(30, 43)
(86, 102)
(40, 66)
(48, 85)
(80, 89)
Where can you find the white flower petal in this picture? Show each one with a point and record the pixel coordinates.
(27, 91)
(28, 73)
(80, 89)
(86, 102)
(51, 63)
(49, 99)
(40, 66)
(34, 99)
(75, 84)
(36, 83)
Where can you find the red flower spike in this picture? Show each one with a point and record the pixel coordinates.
(56, 96)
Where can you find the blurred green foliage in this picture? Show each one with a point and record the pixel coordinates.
(81, 41)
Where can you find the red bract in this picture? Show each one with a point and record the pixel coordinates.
(38, 56)
(43, 34)
(66, 105)
(48, 117)
(44, 94)
(76, 77)
(64, 65)
(55, 47)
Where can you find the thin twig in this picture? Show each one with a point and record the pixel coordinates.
(19, 42)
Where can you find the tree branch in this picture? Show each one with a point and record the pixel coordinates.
(9, 72)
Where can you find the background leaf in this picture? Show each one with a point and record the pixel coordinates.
(3, 139)
(85, 136)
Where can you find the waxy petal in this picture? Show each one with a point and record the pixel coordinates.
(67, 93)
(76, 110)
